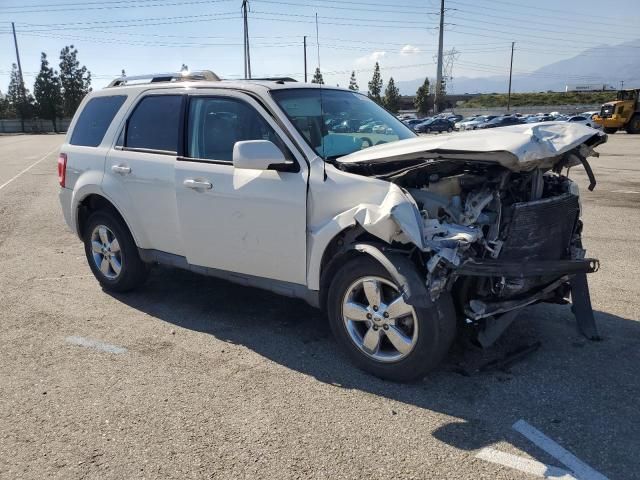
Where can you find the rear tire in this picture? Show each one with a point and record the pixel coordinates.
(428, 332)
(634, 124)
(610, 130)
(112, 253)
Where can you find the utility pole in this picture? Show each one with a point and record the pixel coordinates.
(621, 84)
(305, 59)
(247, 56)
(510, 72)
(438, 91)
(23, 93)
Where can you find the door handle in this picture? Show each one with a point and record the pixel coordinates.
(121, 169)
(197, 184)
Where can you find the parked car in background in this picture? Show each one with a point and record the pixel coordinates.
(472, 125)
(539, 118)
(454, 118)
(503, 121)
(414, 121)
(368, 126)
(583, 120)
(460, 124)
(589, 115)
(434, 125)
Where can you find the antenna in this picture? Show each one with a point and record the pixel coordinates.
(318, 41)
(247, 57)
(324, 161)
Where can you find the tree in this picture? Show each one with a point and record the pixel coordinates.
(48, 92)
(184, 68)
(423, 101)
(19, 99)
(392, 96)
(75, 80)
(353, 83)
(4, 106)
(375, 85)
(317, 77)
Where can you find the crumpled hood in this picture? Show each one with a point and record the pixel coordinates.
(517, 147)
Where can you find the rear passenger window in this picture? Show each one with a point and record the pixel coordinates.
(95, 119)
(154, 124)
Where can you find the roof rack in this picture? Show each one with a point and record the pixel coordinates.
(274, 79)
(165, 77)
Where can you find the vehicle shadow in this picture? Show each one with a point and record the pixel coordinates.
(579, 391)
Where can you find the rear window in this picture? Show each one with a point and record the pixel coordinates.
(155, 123)
(95, 119)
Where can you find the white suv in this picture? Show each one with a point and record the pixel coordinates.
(401, 239)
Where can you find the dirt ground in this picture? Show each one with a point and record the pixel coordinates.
(213, 380)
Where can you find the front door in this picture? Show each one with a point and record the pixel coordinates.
(245, 221)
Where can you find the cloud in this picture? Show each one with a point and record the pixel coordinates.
(372, 58)
(409, 50)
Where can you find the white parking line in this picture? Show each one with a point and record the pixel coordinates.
(580, 469)
(95, 344)
(28, 168)
(532, 467)
(624, 191)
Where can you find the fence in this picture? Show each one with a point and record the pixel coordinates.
(33, 125)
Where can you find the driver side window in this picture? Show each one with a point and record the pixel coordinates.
(215, 124)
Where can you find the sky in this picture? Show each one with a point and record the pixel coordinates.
(145, 36)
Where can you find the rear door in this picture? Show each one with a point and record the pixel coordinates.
(245, 221)
(140, 170)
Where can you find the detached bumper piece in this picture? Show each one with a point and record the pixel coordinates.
(535, 268)
(498, 316)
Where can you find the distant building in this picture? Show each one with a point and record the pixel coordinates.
(588, 87)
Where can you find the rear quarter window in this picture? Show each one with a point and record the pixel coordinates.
(94, 120)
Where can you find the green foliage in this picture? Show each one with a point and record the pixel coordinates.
(48, 92)
(4, 106)
(75, 80)
(375, 85)
(392, 97)
(317, 77)
(353, 83)
(19, 99)
(423, 102)
(495, 100)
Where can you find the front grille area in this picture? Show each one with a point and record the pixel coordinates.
(541, 230)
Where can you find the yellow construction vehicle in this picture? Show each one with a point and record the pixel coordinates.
(621, 114)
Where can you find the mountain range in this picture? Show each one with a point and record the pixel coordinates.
(606, 64)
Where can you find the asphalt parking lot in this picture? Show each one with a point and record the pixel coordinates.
(198, 378)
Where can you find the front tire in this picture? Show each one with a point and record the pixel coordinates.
(112, 253)
(610, 130)
(379, 331)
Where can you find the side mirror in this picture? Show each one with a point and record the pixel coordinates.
(259, 155)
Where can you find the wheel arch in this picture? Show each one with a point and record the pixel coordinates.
(355, 241)
(93, 202)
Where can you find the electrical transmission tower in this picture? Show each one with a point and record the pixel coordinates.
(448, 60)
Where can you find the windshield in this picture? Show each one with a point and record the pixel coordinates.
(339, 122)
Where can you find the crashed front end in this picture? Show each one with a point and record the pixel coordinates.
(499, 228)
